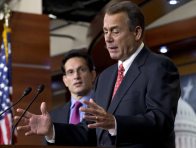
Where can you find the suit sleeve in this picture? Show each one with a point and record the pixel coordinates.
(161, 99)
(74, 135)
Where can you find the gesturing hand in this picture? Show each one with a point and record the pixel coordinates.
(102, 118)
(36, 124)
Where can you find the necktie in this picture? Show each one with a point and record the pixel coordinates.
(75, 118)
(119, 78)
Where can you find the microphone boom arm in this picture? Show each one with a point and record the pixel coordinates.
(40, 89)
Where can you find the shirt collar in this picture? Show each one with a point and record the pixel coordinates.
(87, 97)
(127, 63)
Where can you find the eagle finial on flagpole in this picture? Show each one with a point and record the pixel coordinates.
(7, 14)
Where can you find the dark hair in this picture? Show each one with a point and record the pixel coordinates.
(135, 16)
(77, 53)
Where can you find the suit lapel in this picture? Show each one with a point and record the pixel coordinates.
(131, 75)
(66, 111)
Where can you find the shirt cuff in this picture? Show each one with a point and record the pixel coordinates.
(48, 139)
(113, 132)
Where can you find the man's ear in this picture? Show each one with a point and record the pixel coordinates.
(65, 80)
(93, 74)
(138, 33)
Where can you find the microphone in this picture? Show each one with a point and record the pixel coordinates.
(26, 92)
(40, 89)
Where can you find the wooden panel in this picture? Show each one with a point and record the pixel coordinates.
(30, 38)
(101, 57)
(187, 69)
(171, 32)
(184, 56)
(31, 77)
(56, 62)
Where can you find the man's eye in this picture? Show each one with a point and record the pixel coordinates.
(115, 32)
(105, 32)
(82, 69)
(70, 72)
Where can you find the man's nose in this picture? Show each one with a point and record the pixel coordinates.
(76, 74)
(108, 37)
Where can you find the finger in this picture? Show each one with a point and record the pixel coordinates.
(91, 118)
(29, 133)
(43, 109)
(27, 114)
(102, 125)
(25, 120)
(16, 117)
(26, 127)
(95, 125)
(89, 110)
(90, 103)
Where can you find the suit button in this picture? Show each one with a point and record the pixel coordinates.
(101, 143)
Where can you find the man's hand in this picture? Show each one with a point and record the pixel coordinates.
(37, 124)
(102, 118)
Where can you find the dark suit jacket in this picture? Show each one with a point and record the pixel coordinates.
(60, 115)
(144, 106)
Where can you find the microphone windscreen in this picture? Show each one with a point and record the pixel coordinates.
(27, 91)
(40, 88)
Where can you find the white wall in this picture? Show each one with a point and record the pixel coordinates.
(61, 45)
(27, 6)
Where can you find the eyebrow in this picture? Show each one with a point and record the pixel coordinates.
(82, 66)
(112, 28)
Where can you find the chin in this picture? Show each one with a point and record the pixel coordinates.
(114, 57)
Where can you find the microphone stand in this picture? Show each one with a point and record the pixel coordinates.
(40, 89)
(26, 92)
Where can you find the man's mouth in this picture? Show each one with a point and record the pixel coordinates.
(112, 48)
(77, 83)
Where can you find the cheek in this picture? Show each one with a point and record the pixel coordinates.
(129, 44)
(88, 80)
(68, 83)
(121, 43)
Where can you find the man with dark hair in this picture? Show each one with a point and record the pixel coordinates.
(79, 76)
(134, 102)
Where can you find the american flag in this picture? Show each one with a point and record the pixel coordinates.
(6, 120)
